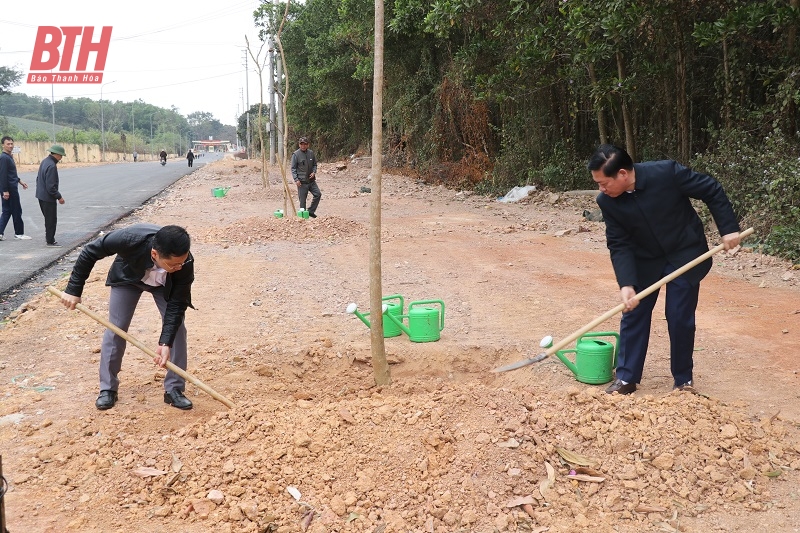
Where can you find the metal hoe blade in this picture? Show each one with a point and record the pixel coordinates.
(520, 364)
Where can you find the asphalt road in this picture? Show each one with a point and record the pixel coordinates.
(95, 197)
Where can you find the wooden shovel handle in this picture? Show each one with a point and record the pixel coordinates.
(131, 339)
(649, 290)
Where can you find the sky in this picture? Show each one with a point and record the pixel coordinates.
(190, 55)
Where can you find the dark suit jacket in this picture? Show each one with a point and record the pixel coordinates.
(132, 247)
(656, 223)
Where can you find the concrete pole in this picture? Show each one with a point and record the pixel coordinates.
(271, 97)
(279, 103)
(247, 110)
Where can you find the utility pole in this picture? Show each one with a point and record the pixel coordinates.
(236, 121)
(247, 109)
(279, 103)
(53, 101)
(102, 121)
(271, 96)
(133, 120)
(151, 133)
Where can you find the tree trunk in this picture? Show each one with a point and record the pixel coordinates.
(726, 106)
(682, 104)
(630, 142)
(601, 116)
(380, 366)
(791, 39)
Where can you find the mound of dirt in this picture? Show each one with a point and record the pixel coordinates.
(428, 457)
(269, 228)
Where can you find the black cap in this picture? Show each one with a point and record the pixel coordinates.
(303, 140)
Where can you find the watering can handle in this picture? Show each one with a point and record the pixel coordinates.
(604, 334)
(420, 302)
(395, 297)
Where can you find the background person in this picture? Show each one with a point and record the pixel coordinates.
(190, 158)
(304, 173)
(652, 229)
(149, 259)
(9, 187)
(47, 193)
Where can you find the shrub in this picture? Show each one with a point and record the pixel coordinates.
(762, 180)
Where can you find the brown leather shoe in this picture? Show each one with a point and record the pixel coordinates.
(620, 387)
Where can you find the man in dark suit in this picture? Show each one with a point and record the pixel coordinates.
(652, 230)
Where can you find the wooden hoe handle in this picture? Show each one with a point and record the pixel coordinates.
(611, 312)
(646, 292)
(131, 339)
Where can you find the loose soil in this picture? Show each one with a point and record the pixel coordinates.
(313, 445)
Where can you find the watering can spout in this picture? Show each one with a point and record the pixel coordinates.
(353, 310)
(569, 364)
(399, 323)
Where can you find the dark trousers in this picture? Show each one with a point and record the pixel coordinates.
(634, 331)
(191, 161)
(302, 194)
(50, 212)
(12, 208)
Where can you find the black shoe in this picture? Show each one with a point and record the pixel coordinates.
(53, 244)
(106, 400)
(620, 387)
(176, 398)
(688, 387)
(312, 215)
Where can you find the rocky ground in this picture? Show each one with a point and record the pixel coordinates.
(312, 445)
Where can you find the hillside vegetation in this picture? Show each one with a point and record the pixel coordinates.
(489, 95)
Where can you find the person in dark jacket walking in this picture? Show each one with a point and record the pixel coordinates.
(47, 193)
(190, 158)
(149, 259)
(652, 229)
(9, 189)
(304, 173)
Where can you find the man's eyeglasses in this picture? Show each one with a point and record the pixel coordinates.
(175, 267)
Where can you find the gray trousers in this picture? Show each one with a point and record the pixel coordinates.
(121, 306)
(302, 195)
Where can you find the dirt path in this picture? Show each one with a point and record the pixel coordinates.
(449, 446)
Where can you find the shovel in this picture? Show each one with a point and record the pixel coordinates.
(131, 339)
(611, 312)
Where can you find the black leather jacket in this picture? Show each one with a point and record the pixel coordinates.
(132, 246)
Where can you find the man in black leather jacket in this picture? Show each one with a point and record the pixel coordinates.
(150, 259)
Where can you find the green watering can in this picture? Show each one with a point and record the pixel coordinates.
(594, 359)
(393, 306)
(219, 192)
(424, 322)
